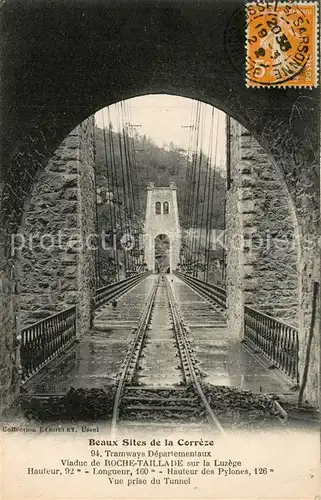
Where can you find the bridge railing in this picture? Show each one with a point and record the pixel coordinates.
(42, 341)
(277, 340)
(109, 292)
(214, 292)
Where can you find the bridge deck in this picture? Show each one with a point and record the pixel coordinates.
(222, 361)
(96, 360)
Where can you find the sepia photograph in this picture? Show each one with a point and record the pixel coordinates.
(160, 249)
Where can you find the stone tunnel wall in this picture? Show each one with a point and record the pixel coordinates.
(87, 224)
(56, 264)
(262, 258)
(9, 360)
(277, 268)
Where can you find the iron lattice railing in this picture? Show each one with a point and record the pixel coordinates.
(213, 292)
(277, 340)
(110, 292)
(42, 341)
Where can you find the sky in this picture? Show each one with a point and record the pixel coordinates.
(166, 118)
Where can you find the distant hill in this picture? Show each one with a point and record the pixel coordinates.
(156, 164)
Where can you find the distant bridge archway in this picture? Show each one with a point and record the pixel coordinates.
(162, 253)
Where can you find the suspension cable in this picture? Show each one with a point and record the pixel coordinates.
(205, 197)
(97, 252)
(213, 187)
(120, 204)
(188, 167)
(130, 201)
(193, 182)
(191, 177)
(125, 197)
(133, 161)
(131, 169)
(223, 274)
(127, 160)
(199, 222)
(198, 158)
(109, 175)
(210, 153)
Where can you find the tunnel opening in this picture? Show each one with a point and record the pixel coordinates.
(39, 132)
(120, 161)
(114, 166)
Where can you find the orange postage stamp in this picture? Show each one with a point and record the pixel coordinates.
(282, 44)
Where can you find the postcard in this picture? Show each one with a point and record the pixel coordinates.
(160, 250)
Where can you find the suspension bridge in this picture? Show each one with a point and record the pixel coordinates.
(160, 354)
(159, 347)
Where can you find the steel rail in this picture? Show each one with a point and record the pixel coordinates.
(276, 340)
(206, 289)
(133, 355)
(180, 333)
(136, 347)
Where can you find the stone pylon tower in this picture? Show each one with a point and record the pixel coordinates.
(162, 218)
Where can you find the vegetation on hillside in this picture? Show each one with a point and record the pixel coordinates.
(156, 164)
(124, 166)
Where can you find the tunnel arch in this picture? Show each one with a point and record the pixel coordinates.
(64, 61)
(281, 177)
(61, 92)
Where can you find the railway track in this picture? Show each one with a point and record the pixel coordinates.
(178, 406)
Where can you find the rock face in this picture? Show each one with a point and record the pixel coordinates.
(57, 267)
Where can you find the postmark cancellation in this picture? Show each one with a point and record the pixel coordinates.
(282, 44)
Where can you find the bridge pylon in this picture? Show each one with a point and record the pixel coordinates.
(162, 219)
